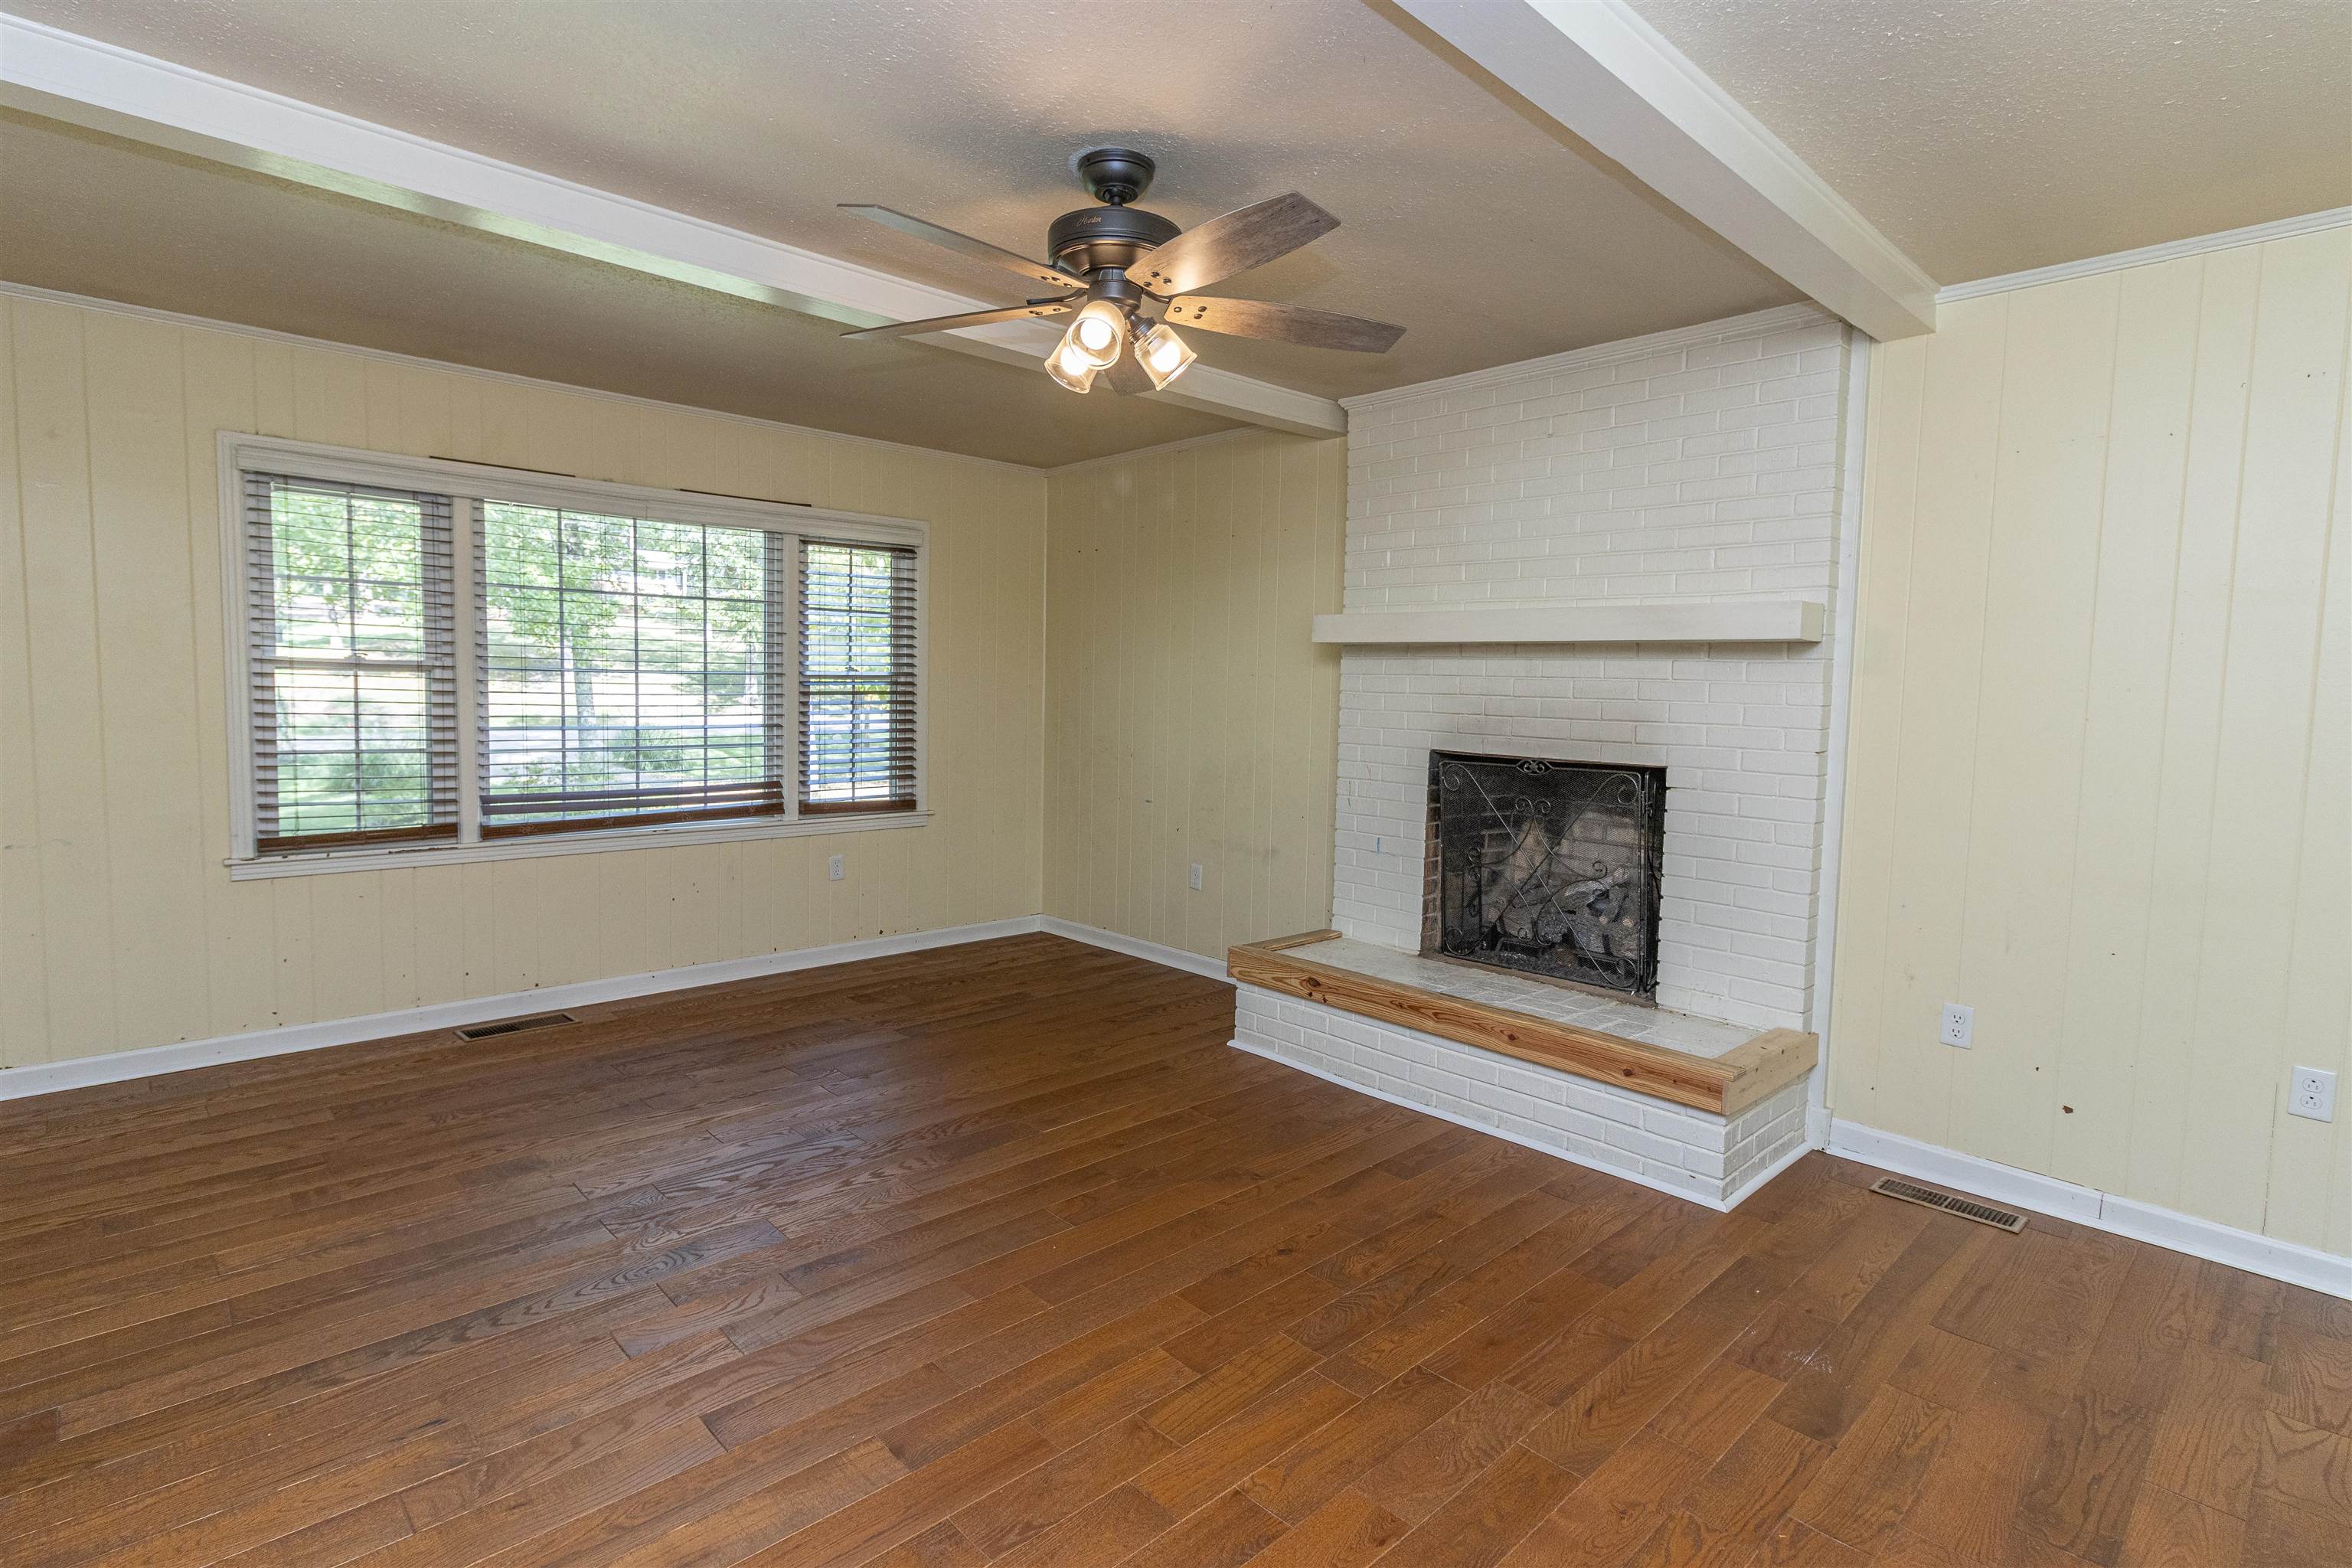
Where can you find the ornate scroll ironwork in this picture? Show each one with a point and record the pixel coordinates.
(1548, 867)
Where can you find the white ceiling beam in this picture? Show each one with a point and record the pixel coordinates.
(63, 75)
(1596, 68)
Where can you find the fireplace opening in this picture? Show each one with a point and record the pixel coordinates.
(1548, 868)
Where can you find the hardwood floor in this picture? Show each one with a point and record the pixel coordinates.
(997, 1254)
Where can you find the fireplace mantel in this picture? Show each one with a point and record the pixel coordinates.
(1614, 621)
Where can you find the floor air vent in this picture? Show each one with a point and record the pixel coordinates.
(515, 1025)
(1967, 1208)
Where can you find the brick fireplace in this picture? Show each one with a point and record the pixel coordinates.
(1697, 467)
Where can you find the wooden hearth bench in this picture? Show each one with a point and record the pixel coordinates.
(1724, 1085)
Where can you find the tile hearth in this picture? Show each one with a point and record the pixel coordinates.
(1499, 988)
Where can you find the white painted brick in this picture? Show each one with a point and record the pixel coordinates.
(1706, 470)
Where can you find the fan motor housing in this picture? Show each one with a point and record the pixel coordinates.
(1107, 237)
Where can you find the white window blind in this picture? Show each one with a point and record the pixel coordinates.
(446, 661)
(350, 645)
(858, 676)
(631, 670)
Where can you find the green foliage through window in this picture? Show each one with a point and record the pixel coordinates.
(628, 668)
(626, 672)
(858, 675)
(352, 659)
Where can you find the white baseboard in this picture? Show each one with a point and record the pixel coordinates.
(1136, 947)
(115, 1067)
(2209, 1239)
(1352, 1086)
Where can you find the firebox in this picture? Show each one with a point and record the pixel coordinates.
(1546, 867)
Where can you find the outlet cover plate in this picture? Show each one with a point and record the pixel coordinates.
(2311, 1091)
(1959, 1025)
(836, 868)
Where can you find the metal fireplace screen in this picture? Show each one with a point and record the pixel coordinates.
(1547, 868)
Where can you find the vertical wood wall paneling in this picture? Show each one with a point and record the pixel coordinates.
(2035, 670)
(2238, 1077)
(2097, 788)
(2310, 1190)
(25, 1000)
(120, 925)
(147, 601)
(60, 634)
(1190, 720)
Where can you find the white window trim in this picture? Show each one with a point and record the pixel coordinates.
(463, 484)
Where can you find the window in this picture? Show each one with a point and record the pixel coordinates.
(857, 678)
(351, 664)
(451, 662)
(631, 671)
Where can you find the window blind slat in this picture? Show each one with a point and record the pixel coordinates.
(630, 673)
(858, 677)
(350, 655)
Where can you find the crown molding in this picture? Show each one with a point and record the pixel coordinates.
(48, 71)
(505, 377)
(1780, 318)
(2149, 255)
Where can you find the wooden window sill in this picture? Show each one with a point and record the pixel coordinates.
(595, 842)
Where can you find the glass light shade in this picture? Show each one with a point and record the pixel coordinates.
(1162, 355)
(1069, 365)
(1097, 333)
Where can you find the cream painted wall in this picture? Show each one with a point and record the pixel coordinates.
(2097, 785)
(1188, 717)
(119, 926)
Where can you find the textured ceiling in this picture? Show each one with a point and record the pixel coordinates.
(1984, 136)
(1991, 136)
(1462, 219)
(90, 214)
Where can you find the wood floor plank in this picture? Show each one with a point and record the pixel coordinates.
(998, 1254)
(1488, 1516)
(1607, 1516)
(1346, 1532)
(2093, 1460)
(1861, 1493)
(1734, 1509)
(1419, 1477)
(2208, 1441)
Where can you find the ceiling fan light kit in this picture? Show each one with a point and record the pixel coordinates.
(1070, 366)
(1162, 355)
(1119, 261)
(1096, 332)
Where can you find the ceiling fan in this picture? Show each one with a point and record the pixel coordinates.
(1130, 276)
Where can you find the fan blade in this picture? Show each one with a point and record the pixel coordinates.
(978, 249)
(1283, 323)
(969, 319)
(1246, 238)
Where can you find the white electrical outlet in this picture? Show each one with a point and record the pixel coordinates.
(2311, 1091)
(1959, 1025)
(835, 869)
(1196, 876)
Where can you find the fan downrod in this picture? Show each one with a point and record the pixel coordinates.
(1116, 234)
(1116, 175)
